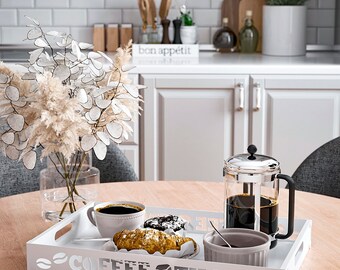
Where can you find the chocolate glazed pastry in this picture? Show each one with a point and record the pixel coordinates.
(165, 222)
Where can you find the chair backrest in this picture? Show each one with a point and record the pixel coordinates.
(15, 178)
(320, 171)
(115, 167)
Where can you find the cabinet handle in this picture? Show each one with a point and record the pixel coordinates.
(257, 88)
(240, 87)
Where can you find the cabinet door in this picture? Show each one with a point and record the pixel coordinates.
(294, 115)
(132, 154)
(191, 124)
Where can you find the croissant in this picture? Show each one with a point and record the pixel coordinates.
(150, 240)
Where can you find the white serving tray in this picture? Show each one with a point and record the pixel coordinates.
(51, 251)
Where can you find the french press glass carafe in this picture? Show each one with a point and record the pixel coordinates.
(252, 194)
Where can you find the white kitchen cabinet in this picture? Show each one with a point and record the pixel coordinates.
(293, 115)
(191, 123)
(130, 147)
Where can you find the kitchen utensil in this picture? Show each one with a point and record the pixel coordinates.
(153, 14)
(252, 194)
(152, 21)
(164, 9)
(225, 241)
(143, 9)
(230, 10)
(92, 239)
(163, 13)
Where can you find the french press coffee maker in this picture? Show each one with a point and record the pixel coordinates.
(252, 194)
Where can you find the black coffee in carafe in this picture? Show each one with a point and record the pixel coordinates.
(240, 213)
(251, 196)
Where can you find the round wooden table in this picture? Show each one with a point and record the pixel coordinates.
(20, 218)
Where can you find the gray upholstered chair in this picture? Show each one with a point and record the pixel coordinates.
(15, 178)
(320, 171)
(115, 167)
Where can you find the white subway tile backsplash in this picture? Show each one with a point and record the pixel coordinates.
(8, 17)
(121, 4)
(321, 17)
(311, 35)
(327, 4)
(87, 3)
(83, 34)
(174, 14)
(312, 4)
(207, 17)
(15, 35)
(104, 16)
(203, 35)
(325, 36)
(132, 16)
(78, 16)
(17, 3)
(51, 3)
(69, 17)
(218, 3)
(44, 16)
(197, 3)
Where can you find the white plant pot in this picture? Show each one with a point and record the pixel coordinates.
(189, 34)
(284, 30)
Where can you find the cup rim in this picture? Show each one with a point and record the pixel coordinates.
(133, 203)
(237, 231)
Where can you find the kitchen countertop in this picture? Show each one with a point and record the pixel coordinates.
(318, 63)
(236, 63)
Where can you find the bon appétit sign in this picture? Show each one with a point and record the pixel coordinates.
(165, 50)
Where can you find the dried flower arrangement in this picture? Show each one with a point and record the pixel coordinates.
(68, 102)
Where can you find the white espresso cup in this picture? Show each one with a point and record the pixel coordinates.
(115, 216)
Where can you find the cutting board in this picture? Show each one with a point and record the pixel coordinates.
(256, 7)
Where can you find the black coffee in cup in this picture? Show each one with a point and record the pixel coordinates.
(240, 213)
(119, 209)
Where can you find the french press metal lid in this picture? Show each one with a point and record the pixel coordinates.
(251, 163)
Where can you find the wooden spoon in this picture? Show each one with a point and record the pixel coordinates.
(153, 13)
(164, 9)
(143, 9)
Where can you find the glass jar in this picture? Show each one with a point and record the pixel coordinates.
(67, 186)
(225, 39)
(248, 35)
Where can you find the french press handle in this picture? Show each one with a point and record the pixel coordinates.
(291, 204)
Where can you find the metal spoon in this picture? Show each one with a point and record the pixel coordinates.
(92, 239)
(220, 235)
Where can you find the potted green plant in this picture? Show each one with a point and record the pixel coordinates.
(188, 28)
(284, 28)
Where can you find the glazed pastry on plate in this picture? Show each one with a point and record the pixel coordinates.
(151, 240)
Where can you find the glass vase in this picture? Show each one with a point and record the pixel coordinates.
(66, 186)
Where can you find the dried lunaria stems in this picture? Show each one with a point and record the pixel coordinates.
(69, 100)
